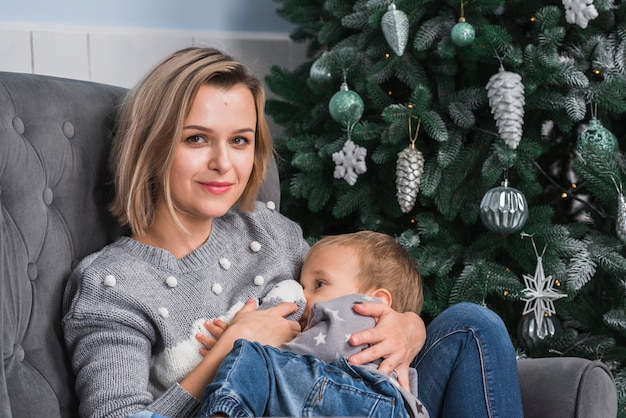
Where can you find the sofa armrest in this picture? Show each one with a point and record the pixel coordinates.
(567, 387)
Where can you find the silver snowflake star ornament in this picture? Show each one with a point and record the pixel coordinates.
(540, 295)
(350, 162)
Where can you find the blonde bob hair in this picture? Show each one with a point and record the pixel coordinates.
(150, 126)
(383, 263)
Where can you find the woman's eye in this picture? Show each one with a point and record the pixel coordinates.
(195, 139)
(240, 140)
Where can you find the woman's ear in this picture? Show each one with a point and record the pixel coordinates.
(383, 294)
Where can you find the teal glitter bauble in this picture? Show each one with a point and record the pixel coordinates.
(463, 34)
(596, 140)
(346, 106)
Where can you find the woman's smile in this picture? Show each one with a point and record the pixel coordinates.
(217, 187)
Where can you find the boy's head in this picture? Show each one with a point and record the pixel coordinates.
(362, 262)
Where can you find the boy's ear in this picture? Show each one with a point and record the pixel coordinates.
(383, 294)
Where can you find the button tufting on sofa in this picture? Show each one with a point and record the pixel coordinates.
(48, 196)
(18, 353)
(68, 129)
(32, 271)
(18, 125)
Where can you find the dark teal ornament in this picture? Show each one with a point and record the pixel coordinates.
(319, 70)
(346, 106)
(530, 335)
(596, 140)
(463, 34)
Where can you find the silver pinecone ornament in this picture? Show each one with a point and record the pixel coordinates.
(506, 98)
(409, 170)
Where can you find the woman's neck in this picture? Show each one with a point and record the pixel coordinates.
(166, 234)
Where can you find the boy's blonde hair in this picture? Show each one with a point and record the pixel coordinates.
(150, 126)
(384, 263)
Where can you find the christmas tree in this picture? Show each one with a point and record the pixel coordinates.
(485, 136)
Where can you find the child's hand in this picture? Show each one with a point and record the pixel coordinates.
(216, 328)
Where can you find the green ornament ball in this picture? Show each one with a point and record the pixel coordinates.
(463, 34)
(346, 106)
(319, 70)
(596, 140)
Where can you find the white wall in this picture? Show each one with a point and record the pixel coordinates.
(216, 15)
(96, 40)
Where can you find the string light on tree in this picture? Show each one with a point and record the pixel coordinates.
(395, 26)
(463, 33)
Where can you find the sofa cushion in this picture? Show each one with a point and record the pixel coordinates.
(54, 136)
(567, 387)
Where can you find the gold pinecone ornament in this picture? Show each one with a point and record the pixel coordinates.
(409, 170)
(506, 98)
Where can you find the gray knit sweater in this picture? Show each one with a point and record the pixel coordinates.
(132, 310)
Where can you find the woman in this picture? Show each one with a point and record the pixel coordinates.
(191, 151)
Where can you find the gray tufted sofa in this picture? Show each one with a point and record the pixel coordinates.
(54, 141)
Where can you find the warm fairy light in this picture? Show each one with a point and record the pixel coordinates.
(387, 55)
(390, 92)
(506, 293)
(557, 283)
(532, 19)
(573, 185)
(413, 220)
(410, 106)
(596, 72)
(564, 195)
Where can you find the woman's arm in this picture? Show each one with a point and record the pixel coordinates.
(396, 338)
(267, 327)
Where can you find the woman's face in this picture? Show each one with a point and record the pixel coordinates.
(214, 157)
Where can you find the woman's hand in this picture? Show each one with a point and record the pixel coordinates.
(396, 338)
(268, 327)
(277, 331)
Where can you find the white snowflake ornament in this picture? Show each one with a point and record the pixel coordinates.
(350, 162)
(579, 12)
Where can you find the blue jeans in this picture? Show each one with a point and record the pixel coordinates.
(255, 380)
(468, 367)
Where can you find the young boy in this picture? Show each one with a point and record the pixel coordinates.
(310, 375)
